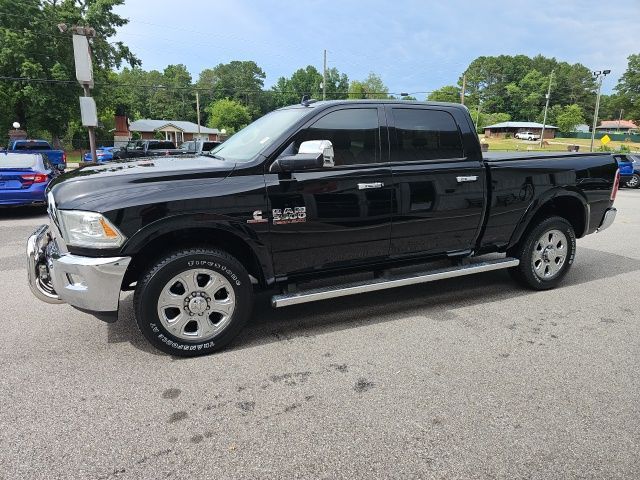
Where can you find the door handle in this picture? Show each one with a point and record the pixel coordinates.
(365, 186)
(469, 178)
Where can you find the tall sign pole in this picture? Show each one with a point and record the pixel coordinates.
(546, 107)
(84, 75)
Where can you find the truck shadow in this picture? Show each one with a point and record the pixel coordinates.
(435, 300)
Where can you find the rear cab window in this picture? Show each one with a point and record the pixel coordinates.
(425, 134)
(32, 146)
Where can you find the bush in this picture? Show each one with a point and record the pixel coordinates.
(624, 149)
(507, 135)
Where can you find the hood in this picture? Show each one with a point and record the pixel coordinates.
(125, 183)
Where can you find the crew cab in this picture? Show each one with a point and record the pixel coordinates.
(147, 148)
(58, 158)
(306, 193)
(527, 136)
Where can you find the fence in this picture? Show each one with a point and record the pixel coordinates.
(619, 137)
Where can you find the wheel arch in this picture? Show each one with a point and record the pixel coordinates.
(146, 248)
(568, 204)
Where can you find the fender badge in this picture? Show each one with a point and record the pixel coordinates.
(257, 217)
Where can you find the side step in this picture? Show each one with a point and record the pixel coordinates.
(313, 295)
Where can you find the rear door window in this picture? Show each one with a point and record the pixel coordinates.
(425, 134)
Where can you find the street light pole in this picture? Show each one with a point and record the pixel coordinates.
(546, 107)
(599, 75)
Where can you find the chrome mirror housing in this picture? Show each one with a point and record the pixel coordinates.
(324, 147)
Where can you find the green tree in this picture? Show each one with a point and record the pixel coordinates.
(448, 93)
(228, 114)
(570, 117)
(370, 87)
(487, 119)
(629, 88)
(517, 84)
(32, 46)
(241, 81)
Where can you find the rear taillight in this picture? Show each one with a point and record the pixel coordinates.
(64, 157)
(616, 185)
(28, 180)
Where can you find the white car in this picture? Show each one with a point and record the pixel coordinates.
(527, 136)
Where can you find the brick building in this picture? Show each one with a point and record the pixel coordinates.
(511, 128)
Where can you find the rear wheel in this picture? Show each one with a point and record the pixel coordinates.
(193, 301)
(634, 181)
(546, 253)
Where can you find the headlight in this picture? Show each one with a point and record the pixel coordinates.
(89, 229)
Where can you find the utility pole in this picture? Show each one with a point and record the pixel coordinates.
(546, 107)
(620, 119)
(464, 87)
(324, 77)
(198, 109)
(600, 74)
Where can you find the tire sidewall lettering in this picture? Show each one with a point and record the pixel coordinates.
(216, 266)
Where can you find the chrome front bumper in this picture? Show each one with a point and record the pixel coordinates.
(88, 283)
(607, 219)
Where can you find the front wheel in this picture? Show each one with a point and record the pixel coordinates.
(193, 301)
(546, 253)
(634, 181)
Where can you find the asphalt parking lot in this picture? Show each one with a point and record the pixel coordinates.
(467, 378)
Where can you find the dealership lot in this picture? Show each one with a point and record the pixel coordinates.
(466, 378)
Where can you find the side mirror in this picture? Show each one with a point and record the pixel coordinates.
(311, 155)
(61, 167)
(324, 147)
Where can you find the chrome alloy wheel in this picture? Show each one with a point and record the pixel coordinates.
(196, 305)
(549, 254)
(633, 181)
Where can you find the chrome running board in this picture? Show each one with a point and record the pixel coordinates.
(355, 288)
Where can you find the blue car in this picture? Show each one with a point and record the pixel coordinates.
(24, 178)
(104, 154)
(633, 181)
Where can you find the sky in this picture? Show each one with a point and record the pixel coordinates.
(415, 46)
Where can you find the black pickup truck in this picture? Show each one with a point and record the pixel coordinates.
(311, 191)
(147, 148)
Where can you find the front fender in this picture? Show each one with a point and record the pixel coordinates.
(202, 227)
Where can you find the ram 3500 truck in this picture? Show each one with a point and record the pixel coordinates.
(309, 191)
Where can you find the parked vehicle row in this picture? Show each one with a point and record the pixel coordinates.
(310, 191)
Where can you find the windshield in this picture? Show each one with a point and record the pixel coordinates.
(248, 142)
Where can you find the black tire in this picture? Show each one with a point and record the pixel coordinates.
(531, 272)
(634, 181)
(155, 281)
